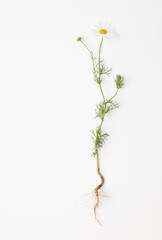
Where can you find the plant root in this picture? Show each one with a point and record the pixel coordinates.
(96, 191)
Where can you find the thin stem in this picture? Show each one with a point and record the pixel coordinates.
(98, 172)
(102, 92)
(97, 162)
(99, 61)
(97, 159)
(99, 77)
(90, 54)
(86, 47)
(112, 96)
(97, 188)
(99, 53)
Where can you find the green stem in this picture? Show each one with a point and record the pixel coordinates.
(106, 102)
(90, 54)
(86, 47)
(102, 92)
(99, 61)
(99, 53)
(112, 96)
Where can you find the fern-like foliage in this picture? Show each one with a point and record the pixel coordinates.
(112, 105)
(103, 69)
(102, 108)
(99, 69)
(119, 81)
(98, 139)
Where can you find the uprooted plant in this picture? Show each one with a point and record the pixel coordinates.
(102, 108)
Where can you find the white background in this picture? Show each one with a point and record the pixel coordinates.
(47, 101)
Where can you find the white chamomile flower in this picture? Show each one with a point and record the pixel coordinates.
(104, 30)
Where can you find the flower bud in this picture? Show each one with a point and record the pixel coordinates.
(79, 39)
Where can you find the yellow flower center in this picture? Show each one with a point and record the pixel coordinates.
(102, 31)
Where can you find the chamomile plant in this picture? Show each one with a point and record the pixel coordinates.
(100, 69)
